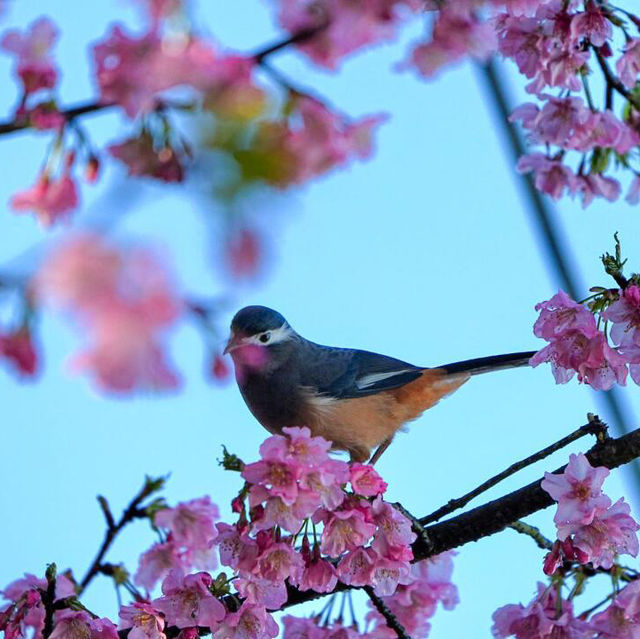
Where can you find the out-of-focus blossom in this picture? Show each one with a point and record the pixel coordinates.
(18, 349)
(621, 620)
(143, 158)
(51, 199)
(32, 49)
(243, 253)
(343, 26)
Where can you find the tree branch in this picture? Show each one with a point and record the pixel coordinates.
(593, 427)
(70, 113)
(132, 512)
(613, 82)
(390, 618)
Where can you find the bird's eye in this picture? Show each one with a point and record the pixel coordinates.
(265, 337)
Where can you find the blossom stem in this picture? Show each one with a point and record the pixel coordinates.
(613, 81)
(391, 619)
(533, 532)
(594, 426)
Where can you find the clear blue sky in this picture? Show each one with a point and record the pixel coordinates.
(424, 253)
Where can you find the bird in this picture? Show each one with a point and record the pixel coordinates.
(356, 399)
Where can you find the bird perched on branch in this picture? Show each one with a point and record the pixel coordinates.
(356, 399)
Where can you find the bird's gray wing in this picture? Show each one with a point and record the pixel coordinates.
(343, 373)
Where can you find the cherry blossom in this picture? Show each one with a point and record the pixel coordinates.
(187, 601)
(144, 620)
(621, 620)
(578, 491)
(51, 199)
(250, 622)
(32, 50)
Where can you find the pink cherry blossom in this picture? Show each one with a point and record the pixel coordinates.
(551, 176)
(624, 314)
(633, 195)
(192, 523)
(610, 533)
(18, 349)
(621, 620)
(345, 530)
(71, 624)
(32, 50)
(51, 199)
(255, 590)
(278, 562)
(366, 481)
(237, 550)
(545, 616)
(188, 602)
(155, 563)
(301, 628)
(393, 536)
(415, 603)
(279, 478)
(596, 185)
(124, 354)
(628, 66)
(458, 32)
(561, 314)
(578, 491)
(345, 27)
(592, 25)
(83, 271)
(250, 622)
(143, 619)
(357, 566)
(318, 574)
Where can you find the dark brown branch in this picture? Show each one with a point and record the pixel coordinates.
(593, 427)
(390, 618)
(613, 81)
(132, 512)
(73, 112)
(48, 599)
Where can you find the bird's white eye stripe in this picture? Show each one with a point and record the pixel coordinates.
(271, 337)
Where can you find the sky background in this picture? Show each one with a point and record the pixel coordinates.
(424, 253)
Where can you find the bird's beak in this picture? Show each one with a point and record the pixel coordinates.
(235, 341)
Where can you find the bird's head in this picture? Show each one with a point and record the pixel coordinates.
(259, 337)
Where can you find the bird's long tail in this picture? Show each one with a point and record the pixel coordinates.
(487, 364)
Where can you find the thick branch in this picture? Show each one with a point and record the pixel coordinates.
(73, 112)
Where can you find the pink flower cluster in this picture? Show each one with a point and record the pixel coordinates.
(24, 615)
(590, 528)
(295, 486)
(191, 534)
(545, 616)
(414, 603)
(576, 345)
(125, 301)
(553, 44)
(624, 315)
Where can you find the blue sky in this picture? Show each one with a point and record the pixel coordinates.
(424, 253)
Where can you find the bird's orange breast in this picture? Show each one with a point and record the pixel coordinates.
(358, 425)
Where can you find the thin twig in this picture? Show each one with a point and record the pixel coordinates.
(390, 618)
(614, 82)
(593, 427)
(48, 599)
(533, 532)
(131, 513)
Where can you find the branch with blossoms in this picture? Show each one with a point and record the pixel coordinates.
(301, 534)
(276, 135)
